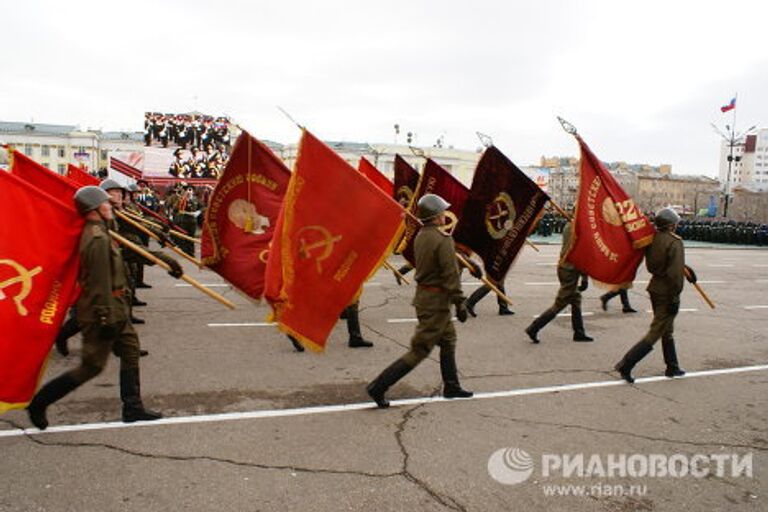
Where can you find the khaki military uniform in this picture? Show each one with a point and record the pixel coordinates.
(438, 287)
(665, 260)
(103, 302)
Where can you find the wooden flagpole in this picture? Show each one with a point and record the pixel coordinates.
(135, 248)
(172, 247)
(486, 281)
(700, 290)
(156, 225)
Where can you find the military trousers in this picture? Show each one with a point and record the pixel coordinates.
(434, 328)
(665, 309)
(96, 350)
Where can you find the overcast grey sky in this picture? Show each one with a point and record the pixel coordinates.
(642, 81)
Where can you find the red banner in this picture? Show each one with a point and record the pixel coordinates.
(43, 178)
(502, 208)
(81, 177)
(335, 228)
(38, 272)
(242, 213)
(406, 181)
(609, 229)
(378, 179)
(434, 180)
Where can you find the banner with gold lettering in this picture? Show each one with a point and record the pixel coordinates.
(434, 180)
(373, 174)
(39, 263)
(335, 228)
(242, 213)
(503, 206)
(609, 230)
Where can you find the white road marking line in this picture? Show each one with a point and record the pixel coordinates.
(304, 411)
(759, 306)
(471, 283)
(543, 283)
(373, 283)
(711, 282)
(584, 313)
(245, 324)
(405, 320)
(207, 285)
(720, 265)
(546, 264)
(681, 310)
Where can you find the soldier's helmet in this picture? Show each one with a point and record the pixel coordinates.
(666, 217)
(110, 184)
(89, 198)
(430, 206)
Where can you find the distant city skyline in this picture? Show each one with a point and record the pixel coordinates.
(641, 82)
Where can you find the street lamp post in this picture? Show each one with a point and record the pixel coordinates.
(733, 139)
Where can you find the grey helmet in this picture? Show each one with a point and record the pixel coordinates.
(109, 184)
(430, 206)
(89, 198)
(666, 217)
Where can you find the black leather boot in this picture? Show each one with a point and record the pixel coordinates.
(48, 394)
(626, 306)
(577, 322)
(353, 327)
(385, 380)
(631, 358)
(474, 298)
(451, 386)
(130, 394)
(68, 329)
(605, 298)
(538, 324)
(670, 358)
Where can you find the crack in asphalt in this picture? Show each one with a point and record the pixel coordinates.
(624, 433)
(444, 500)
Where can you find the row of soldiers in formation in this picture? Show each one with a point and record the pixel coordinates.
(197, 131)
(108, 278)
(199, 164)
(724, 231)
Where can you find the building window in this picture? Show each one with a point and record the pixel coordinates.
(62, 168)
(61, 152)
(47, 164)
(28, 149)
(103, 154)
(45, 151)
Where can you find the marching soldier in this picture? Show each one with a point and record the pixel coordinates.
(439, 286)
(481, 292)
(186, 210)
(569, 294)
(103, 314)
(665, 260)
(621, 292)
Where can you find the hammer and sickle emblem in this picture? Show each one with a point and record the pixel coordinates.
(24, 277)
(404, 196)
(450, 223)
(326, 242)
(500, 216)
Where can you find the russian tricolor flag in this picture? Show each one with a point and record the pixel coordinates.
(730, 106)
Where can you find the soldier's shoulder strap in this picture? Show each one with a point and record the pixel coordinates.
(676, 236)
(98, 231)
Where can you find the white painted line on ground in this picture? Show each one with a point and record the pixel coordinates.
(720, 265)
(246, 324)
(711, 282)
(543, 283)
(583, 313)
(759, 306)
(681, 310)
(547, 264)
(406, 320)
(305, 411)
(373, 283)
(207, 285)
(471, 283)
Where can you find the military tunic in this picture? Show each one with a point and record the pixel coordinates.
(103, 303)
(665, 260)
(438, 287)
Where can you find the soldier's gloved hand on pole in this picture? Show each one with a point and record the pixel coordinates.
(175, 271)
(584, 283)
(690, 275)
(163, 239)
(475, 270)
(461, 312)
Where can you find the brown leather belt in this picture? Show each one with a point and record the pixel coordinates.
(433, 289)
(118, 293)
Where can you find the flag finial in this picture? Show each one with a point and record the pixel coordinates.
(417, 151)
(568, 127)
(485, 140)
(281, 109)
